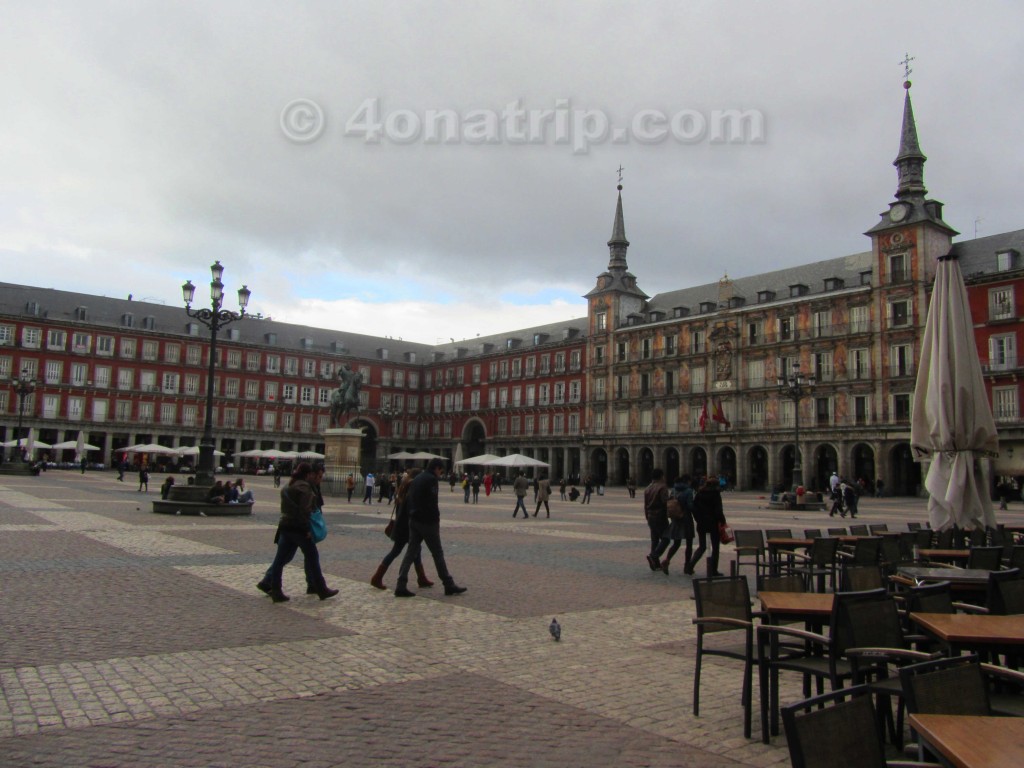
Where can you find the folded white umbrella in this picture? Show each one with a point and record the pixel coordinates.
(518, 460)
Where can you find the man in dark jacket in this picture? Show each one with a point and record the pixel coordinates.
(707, 510)
(656, 512)
(425, 527)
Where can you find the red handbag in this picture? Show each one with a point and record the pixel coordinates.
(725, 533)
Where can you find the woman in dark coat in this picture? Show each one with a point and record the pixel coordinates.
(400, 536)
(298, 499)
(707, 511)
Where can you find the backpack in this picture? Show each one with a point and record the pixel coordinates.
(675, 509)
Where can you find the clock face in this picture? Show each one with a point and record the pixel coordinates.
(898, 212)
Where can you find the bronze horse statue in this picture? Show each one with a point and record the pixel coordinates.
(345, 399)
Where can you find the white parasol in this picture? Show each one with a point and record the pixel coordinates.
(951, 418)
(481, 461)
(518, 460)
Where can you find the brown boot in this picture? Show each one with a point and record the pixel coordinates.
(377, 580)
(421, 576)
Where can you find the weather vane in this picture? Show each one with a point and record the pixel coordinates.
(907, 58)
(620, 172)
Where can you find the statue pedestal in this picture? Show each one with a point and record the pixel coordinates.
(342, 457)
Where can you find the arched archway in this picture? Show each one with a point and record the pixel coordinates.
(474, 438)
(599, 466)
(826, 461)
(671, 465)
(698, 463)
(904, 473)
(726, 465)
(864, 465)
(757, 469)
(644, 466)
(367, 445)
(621, 465)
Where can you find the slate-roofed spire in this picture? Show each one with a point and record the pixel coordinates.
(618, 244)
(910, 160)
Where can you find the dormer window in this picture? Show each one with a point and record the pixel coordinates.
(410, 357)
(657, 315)
(736, 302)
(306, 343)
(128, 320)
(382, 353)
(338, 347)
(763, 297)
(708, 306)
(149, 323)
(865, 277)
(798, 289)
(539, 338)
(81, 313)
(234, 334)
(833, 283)
(1006, 260)
(680, 311)
(270, 338)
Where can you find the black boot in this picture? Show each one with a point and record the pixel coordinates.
(326, 593)
(264, 588)
(451, 588)
(278, 596)
(403, 591)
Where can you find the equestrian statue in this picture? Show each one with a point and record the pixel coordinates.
(345, 399)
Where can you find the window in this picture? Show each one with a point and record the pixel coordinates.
(517, 396)
(79, 374)
(898, 268)
(1000, 303)
(860, 410)
(30, 337)
(269, 421)
(252, 389)
(125, 378)
(503, 369)
(54, 372)
(756, 413)
(600, 388)
(231, 418)
(899, 313)
(56, 339)
(670, 344)
(670, 382)
(99, 410)
(859, 365)
(575, 360)
(189, 413)
(51, 406)
(170, 384)
(249, 420)
(400, 377)
(233, 359)
(502, 397)
(324, 396)
(6, 334)
(900, 360)
(287, 422)
(531, 366)
(559, 392)
(193, 354)
(601, 321)
(901, 408)
(273, 364)
(252, 361)
(102, 374)
(646, 349)
(517, 368)
(146, 411)
(647, 419)
(645, 385)
(528, 425)
(128, 349)
(172, 353)
(306, 424)
(786, 412)
(823, 411)
(168, 413)
(30, 367)
(621, 352)
(574, 391)
(545, 364)
(474, 399)
(560, 362)
(698, 379)
(149, 350)
(123, 410)
(697, 342)
(787, 329)
(859, 319)
(821, 323)
(5, 370)
(1006, 260)
(599, 355)
(823, 366)
(621, 387)
(291, 366)
(231, 388)
(306, 395)
(288, 393)
(309, 368)
(543, 394)
(755, 373)
(75, 407)
(1002, 352)
(755, 332)
(1004, 403)
(385, 377)
(191, 383)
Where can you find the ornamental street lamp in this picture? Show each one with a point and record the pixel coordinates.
(214, 318)
(795, 386)
(23, 386)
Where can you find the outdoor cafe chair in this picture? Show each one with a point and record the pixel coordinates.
(945, 539)
(789, 582)
(1016, 559)
(723, 605)
(859, 530)
(925, 537)
(878, 528)
(749, 545)
(838, 729)
(977, 537)
(817, 563)
(812, 533)
(857, 578)
(985, 558)
(1004, 594)
(836, 531)
(913, 526)
(907, 542)
(866, 551)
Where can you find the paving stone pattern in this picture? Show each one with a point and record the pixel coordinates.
(129, 638)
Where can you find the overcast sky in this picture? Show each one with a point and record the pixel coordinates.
(447, 169)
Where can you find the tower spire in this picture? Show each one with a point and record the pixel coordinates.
(910, 160)
(618, 244)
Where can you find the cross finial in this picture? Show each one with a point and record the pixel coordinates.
(907, 58)
(621, 169)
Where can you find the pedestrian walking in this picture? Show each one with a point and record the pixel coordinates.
(561, 489)
(543, 494)
(425, 527)
(475, 482)
(708, 514)
(400, 535)
(588, 489)
(143, 479)
(350, 486)
(656, 512)
(520, 485)
(368, 492)
(680, 525)
(631, 487)
(298, 500)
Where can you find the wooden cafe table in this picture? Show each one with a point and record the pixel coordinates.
(960, 579)
(972, 742)
(778, 545)
(965, 631)
(943, 555)
(814, 609)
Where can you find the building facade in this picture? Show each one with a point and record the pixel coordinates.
(686, 380)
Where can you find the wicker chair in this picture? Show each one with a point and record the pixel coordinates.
(723, 605)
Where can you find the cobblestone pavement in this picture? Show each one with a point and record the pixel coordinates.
(130, 638)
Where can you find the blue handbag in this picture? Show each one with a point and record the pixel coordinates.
(317, 525)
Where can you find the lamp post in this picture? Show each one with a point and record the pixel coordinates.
(213, 318)
(23, 386)
(389, 413)
(795, 386)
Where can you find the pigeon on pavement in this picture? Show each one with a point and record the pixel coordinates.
(555, 629)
